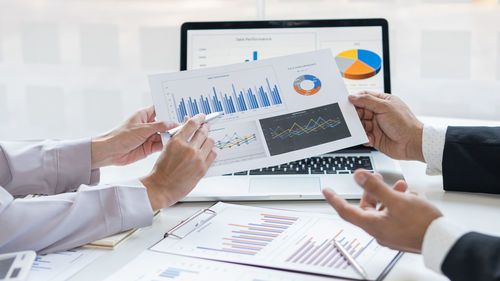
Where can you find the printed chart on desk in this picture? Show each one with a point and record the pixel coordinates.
(281, 239)
(155, 266)
(275, 111)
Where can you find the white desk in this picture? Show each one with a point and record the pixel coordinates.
(478, 211)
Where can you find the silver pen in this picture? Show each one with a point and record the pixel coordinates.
(350, 259)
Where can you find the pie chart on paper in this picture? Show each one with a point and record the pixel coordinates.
(358, 64)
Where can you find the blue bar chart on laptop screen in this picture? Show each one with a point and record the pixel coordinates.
(251, 93)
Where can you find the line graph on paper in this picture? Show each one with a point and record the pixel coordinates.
(234, 140)
(296, 129)
(237, 142)
(303, 129)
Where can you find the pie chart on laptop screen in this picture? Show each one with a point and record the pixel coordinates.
(358, 64)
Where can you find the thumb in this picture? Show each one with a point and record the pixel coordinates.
(376, 187)
(371, 101)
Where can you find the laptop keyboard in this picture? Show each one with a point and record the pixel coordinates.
(315, 165)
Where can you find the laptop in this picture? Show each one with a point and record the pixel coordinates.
(361, 50)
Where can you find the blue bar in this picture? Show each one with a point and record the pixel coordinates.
(249, 243)
(256, 239)
(219, 250)
(245, 248)
(231, 104)
(238, 104)
(272, 226)
(285, 223)
(273, 98)
(196, 106)
(258, 234)
(254, 55)
(224, 104)
(280, 218)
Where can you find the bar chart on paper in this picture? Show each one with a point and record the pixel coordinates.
(62, 265)
(282, 239)
(154, 266)
(252, 237)
(251, 93)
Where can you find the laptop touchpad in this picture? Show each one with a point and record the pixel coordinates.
(288, 185)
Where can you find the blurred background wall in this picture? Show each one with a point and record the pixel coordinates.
(73, 68)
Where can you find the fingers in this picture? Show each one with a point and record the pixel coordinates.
(207, 147)
(191, 126)
(211, 157)
(346, 211)
(200, 136)
(367, 200)
(400, 186)
(372, 102)
(150, 113)
(376, 187)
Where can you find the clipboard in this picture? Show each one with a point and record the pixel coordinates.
(201, 219)
(195, 221)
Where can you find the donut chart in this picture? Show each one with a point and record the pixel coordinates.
(358, 64)
(316, 83)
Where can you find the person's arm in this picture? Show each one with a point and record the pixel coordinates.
(474, 256)
(53, 167)
(407, 223)
(470, 159)
(64, 221)
(67, 220)
(459, 254)
(45, 167)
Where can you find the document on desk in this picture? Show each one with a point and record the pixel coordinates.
(276, 110)
(62, 265)
(289, 240)
(150, 266)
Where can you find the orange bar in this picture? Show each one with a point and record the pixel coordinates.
(319, 252)
(280, 225)
(239, 251)
(240, 240)
(262, 238)
(298, 249)
(283, 217)
(241, 245)
(264, 219)
(255, 232)
(256, 227)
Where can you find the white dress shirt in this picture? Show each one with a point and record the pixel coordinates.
(441, 234)
(64, 219)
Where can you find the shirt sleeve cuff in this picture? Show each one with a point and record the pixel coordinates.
(439, 238)
(74, 165)
(433, 139)
(135, 208)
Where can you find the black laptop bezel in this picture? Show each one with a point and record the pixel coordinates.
(185, 27)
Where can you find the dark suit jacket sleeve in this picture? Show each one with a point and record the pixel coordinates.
(475, 257)
(471, 159)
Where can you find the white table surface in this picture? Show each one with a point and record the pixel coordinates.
(479, 212)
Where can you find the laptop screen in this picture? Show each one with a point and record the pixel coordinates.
(358, 50)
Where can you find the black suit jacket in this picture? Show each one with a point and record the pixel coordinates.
(471, 163)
